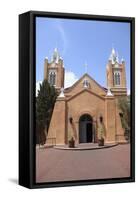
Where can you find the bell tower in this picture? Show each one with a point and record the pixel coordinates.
(54, 70)
(116, 75)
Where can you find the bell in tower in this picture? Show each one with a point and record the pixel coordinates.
(116, 75)
(54, 70)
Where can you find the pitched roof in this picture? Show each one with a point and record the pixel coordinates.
(76, 83)
(85, 90)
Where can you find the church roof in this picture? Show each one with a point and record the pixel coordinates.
(114, 57)
(82, 91)
(76, 83)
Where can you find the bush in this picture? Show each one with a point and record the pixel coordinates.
(72, 143)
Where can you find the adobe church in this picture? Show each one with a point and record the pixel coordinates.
(78, 108)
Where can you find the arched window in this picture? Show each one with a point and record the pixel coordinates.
(86, 83)
(116, 78)
(52, 78)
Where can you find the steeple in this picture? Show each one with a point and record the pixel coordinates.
(54, 70)
(55, 57)
(116, 75)
(117, 57)
(114, 56)
(122, 60)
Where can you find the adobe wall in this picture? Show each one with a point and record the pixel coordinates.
(57, 127)
(84, 103)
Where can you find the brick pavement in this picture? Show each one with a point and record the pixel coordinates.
(62, 165)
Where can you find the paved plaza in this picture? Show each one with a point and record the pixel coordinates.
(63, 165)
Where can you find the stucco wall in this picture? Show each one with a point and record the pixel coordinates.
(84, 103)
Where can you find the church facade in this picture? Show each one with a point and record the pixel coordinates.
(78, 108)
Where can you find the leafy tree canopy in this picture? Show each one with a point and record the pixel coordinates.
(44, 107)
(124, 106)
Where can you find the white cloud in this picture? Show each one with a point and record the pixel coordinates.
(128, 91)
(70, 78)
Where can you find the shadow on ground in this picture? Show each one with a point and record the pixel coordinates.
(13, 180)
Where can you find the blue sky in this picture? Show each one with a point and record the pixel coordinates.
(80, 41)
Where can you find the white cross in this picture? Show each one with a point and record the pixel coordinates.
(86, 67)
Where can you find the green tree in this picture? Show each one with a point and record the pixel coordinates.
(124, 106)
(44, 107)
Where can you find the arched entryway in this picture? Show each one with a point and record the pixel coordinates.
(86, 133)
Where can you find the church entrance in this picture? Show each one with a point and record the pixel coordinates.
(86, 129)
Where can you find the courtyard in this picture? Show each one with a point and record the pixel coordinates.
(64, 165)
